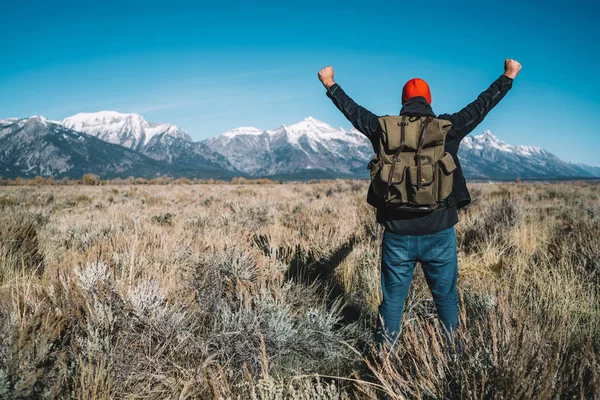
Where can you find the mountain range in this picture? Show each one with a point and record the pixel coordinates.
(113, 144)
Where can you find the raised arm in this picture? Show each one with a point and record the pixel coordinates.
(469, 117)
(361, 118)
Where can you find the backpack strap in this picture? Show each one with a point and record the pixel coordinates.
(420, 150)
(402, 124)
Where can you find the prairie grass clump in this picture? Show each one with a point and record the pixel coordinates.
(6, 202)
(34, 367)
(19, 245)
(576, 241)
(83, 199)
(491, 225)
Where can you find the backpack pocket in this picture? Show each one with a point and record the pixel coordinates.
(423, 195)
(374, 166)
(392, 186)
(445, 175)
(396, 177)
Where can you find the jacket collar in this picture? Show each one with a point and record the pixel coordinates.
(418, 107)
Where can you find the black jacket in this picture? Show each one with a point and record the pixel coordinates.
(463, 122)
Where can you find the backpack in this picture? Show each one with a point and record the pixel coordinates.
(411, 170)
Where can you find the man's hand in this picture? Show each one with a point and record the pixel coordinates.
(326, 77)
(511, 68)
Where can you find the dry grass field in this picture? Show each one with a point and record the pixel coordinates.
(271, 291)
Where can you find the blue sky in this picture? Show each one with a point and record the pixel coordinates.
(211, 67)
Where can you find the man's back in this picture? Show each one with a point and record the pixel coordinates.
(463, 122)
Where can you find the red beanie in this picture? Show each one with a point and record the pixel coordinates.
(416, 87)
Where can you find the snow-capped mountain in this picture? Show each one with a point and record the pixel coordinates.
(128, 130)
(113, 144)
(162, 142)
(36, 146)
(309, 147)
(487, 157)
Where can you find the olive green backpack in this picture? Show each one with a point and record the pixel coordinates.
(411, 170)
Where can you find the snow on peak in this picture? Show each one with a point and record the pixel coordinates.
(529, 150)
(244, 130)
(487, 141)
(35, 121)
(310, 123)
(38, 118)
(314, 130)
(130, 130)
(112, 119)
(486, 135)
(309, 136)
(10, 121)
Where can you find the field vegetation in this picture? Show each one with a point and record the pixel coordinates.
(270, 291)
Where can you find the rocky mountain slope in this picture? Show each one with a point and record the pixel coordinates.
(162, 142)
(310, 146)
(37, 146)
(128, 130)
(487, 157)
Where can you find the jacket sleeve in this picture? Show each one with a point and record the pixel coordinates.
(361, 118)
(467, 119)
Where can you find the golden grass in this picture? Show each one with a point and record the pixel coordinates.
(271, 291)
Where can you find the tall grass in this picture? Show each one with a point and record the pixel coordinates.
(271, 292)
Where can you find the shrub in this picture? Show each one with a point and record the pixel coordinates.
(7, 202)
(163, 219)
(91, 179)
(83, 199)
(297, 331)
(183, 181)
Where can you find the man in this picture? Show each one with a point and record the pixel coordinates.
(412, 237)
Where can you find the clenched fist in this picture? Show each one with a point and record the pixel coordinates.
(511, 68)
(326, 77)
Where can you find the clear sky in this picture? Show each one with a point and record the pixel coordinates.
(211, 67)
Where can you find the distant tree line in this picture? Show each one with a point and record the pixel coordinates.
(95, 180)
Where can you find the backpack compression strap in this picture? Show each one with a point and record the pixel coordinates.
(402, 124)
(420, 150)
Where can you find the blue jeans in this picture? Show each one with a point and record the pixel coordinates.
(439, 260)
